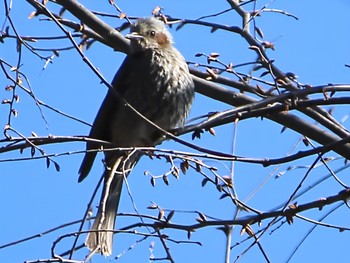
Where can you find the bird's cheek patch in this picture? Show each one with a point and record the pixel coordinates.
(162, 38)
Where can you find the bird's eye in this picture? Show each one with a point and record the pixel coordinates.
(152, 33)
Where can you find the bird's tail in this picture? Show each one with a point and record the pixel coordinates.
(100, 239)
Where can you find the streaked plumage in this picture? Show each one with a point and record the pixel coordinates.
(155, 80)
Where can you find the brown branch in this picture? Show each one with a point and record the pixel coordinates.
(290, 212)
(288, 120)
(318, 114)
(112, 36)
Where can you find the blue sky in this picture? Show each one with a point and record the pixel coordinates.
(34, 198)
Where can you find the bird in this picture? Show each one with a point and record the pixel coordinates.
(154, 86)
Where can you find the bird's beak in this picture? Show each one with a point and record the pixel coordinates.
(134, 36)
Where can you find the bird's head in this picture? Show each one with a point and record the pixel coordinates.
(148, 33)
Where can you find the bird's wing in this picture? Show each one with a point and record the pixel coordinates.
(101, 126)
